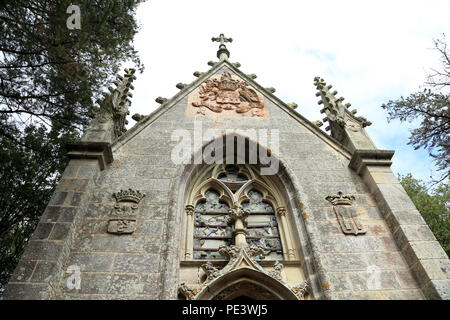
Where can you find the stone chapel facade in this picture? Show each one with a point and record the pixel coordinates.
(128, 222)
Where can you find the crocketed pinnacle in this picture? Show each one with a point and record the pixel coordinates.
(334, 109)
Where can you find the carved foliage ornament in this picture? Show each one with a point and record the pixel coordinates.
(301, 290)
(227, 93)
(236, 254)
(346, 214)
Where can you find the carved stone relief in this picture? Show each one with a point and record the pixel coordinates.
(121, 226)
(346, 214)
(302, 290)
(222, 94)
(239, 257)
(126, 205)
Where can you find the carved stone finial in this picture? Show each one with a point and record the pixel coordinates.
(212, 63)
(271, 89)
(197, 74)
(236, 64)
(252, 76)
(181, 85)
(293, 105)
(222, 53)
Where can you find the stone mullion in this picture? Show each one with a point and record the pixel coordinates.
(189, 240)
(288, 249)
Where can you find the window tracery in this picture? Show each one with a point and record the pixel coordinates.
(227, 188)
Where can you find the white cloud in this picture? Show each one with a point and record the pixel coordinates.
(370, 51)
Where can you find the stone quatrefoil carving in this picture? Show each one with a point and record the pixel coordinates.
(346, 214)
(127, 202)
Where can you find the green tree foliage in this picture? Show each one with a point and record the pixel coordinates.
(50, 77)
(431, 106)
(434, 206)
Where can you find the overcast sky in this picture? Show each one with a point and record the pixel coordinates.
(370, 51)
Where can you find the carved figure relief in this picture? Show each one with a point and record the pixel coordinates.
(126, 205)
(221, 94)
(346, 214)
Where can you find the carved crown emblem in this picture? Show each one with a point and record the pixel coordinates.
(340, 199)
(227, 83)
(129, 195)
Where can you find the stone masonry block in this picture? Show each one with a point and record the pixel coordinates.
(430, 269)
(420, 250)
(47, 272)
(138, 263)
(405, 233)
(92, 262)
(28, 291)
(43, 250)
(42, 231)
(437, 290)
(23, 271)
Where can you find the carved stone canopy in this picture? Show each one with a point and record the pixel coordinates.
(241, 273)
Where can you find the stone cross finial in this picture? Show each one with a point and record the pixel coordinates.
(221, 39)
(222, 53)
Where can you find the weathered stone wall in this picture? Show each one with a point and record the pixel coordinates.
(144, 265)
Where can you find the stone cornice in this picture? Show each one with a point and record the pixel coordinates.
(91, 150)
(362, 158)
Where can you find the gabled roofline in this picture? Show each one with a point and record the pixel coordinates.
(165, 107)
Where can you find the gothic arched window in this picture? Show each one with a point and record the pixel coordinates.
(219, 190)
(210, 226)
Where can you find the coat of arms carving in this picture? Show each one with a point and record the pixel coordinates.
(346, 214)
(223, 94)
